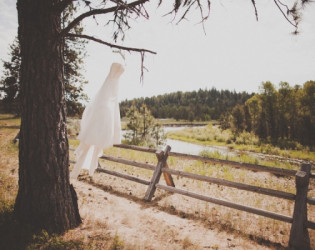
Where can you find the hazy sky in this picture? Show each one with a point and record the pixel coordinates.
(236, 53)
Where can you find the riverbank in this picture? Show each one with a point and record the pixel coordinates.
(245, 143)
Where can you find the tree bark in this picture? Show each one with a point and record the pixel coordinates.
(45, 199)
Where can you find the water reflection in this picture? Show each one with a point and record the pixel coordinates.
(195, 149)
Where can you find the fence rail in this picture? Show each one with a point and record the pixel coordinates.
(266, 191)
(299, 237)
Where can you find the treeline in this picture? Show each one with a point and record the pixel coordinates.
(201, 105)
(279, 116)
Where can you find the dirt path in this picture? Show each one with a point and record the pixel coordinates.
(141, 226)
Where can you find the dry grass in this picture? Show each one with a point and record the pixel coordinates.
(264, 230)
(99, 232)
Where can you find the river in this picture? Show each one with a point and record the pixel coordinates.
(193, 148)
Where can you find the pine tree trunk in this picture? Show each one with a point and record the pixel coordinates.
(45, 199)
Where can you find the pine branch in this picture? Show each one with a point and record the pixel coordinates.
(61, 6)
(110, 44)
(288, 11)
(256, 13)
(95, 12)
(187, 4)
(129, 49)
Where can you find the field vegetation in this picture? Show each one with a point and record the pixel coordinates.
(12, 234)
(243, 226)
(244, 141)
(268, 232)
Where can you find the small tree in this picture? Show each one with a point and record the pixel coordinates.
(158, 134)
(133, 135)
(142, 128)
(238, 119)
(147, 121)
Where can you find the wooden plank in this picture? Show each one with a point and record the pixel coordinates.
(311, 200)
(229, 204)
(280, 171)
(311, 225)
(261, 190)
(125, 176)
(137, 148)
(162, 156)
(168, 178)
(299, 237)
(128, 162)
(254, 167)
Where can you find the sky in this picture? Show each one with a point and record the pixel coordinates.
(233, 51)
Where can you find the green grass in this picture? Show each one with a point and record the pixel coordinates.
(214, 136)
(173, 121)
(245, 158)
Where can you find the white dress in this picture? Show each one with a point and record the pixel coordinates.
(100, 124)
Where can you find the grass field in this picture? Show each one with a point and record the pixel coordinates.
(267, 232)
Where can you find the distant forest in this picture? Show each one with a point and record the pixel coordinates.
(278, 115)
(201, 105)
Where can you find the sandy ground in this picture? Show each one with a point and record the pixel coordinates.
(115, 216)
(142, 226)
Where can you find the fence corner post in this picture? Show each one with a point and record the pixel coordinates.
(299, 237)
(162, 157)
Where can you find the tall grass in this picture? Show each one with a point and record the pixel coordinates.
(245, 158)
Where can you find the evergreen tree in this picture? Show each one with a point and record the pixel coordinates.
(142, 128)
(158, 135)
(307, 113)
(10, 82)
(73, 53)
(238, 118)
(196, 105)
(284, 116)
(133, 135)
(254, 107)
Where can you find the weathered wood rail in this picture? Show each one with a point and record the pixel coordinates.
(299, 238)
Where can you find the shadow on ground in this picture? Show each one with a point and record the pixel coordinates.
(227, 227)
(14, 236)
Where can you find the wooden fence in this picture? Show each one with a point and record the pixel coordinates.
(299, 238)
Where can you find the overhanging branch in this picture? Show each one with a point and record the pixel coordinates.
(256, 13)
(285, 16)
(99, 12)
(110, 44)
(129, 49)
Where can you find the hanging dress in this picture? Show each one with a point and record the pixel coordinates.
(100, 124)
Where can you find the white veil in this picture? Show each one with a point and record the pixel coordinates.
(100, 124)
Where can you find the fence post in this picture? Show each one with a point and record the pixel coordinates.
(162, 157)
(299, 237)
